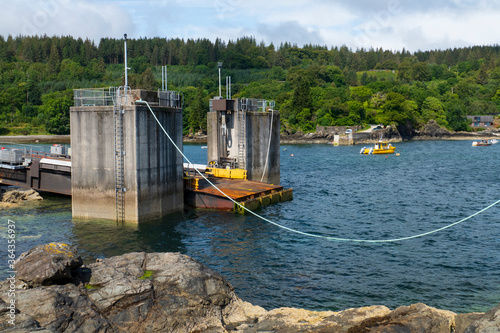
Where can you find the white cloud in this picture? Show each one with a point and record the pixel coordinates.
(441, 30)
(306, 13)
(290, 31)
(211, 33)
(64, 17)
(390, 24)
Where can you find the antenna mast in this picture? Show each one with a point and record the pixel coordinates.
(126, 68)
(219, 64)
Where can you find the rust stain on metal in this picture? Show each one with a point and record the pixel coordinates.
(250, 194)
(236, 189)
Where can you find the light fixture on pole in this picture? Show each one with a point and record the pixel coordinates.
(126, 73)
(219, 64)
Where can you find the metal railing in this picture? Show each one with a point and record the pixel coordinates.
(249, 104)
(170, 98)
(94, 96)
(253, 104)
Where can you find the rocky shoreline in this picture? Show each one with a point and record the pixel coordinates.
(431, 131)
(169, 292)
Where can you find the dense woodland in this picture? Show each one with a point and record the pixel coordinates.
(312, 85)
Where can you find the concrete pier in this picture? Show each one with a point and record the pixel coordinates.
(152, 167)
(245, 131)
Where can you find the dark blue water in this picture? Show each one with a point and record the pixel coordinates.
(338, 193)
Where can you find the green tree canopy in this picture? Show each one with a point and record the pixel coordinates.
(432, 108)
(55, 111)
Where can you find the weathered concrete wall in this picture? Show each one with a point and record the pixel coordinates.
(92, 178)
(152, 166)
(159, 172)
(259, 132)
(213, 136)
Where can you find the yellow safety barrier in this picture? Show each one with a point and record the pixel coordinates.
(227, 173)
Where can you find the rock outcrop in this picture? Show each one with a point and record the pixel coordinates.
(433, 130)
(171, 292)
(17, 195)
(489, 322)
(135, 292)
(49, 264)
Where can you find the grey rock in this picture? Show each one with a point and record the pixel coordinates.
(416, 318)
(136, 292)
(487, 323)
(464, 320)
(24, 324)
(290, 320)
(47, 264)
(433, 129)
(57, 308)
(171, 292)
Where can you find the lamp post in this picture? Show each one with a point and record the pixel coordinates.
(126, 74)
(219, 64)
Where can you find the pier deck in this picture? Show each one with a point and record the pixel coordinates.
(53, 174)
(199, 193)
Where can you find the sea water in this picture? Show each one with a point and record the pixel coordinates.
(337, 193)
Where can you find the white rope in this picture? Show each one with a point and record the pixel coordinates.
(268, 147)
(310, 234)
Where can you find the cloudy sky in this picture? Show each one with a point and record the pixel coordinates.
(390, 24)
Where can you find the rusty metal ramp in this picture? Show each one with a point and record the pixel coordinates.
(250, 194)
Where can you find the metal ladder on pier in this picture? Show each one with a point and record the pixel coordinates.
(241, 116)
(119, 156)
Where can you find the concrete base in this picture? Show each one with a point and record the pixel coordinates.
(153, 173)
(262, 127)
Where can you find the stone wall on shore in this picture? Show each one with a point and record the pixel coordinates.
(170, 292)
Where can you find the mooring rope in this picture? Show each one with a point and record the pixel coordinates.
(331, 238)
(268, 146)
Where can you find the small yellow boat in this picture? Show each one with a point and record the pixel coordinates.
(381, 147)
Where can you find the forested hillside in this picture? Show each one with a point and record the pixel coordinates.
(312, 85)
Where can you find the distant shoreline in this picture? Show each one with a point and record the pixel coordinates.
(294, 141)
(35, 139)
(63, 139)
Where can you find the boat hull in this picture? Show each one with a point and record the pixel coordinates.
(388, 150)
(384, 151)
(480, 144)
(380, 151)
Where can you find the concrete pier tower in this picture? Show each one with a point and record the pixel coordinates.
(245, 133)
(123, 165)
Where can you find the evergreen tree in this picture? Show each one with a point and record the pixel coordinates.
(148, 81)
(405, 70)
(421, 72)
(482, 75)
(54, 62)
(197, 113)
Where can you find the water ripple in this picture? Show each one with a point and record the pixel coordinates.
(339, 193)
